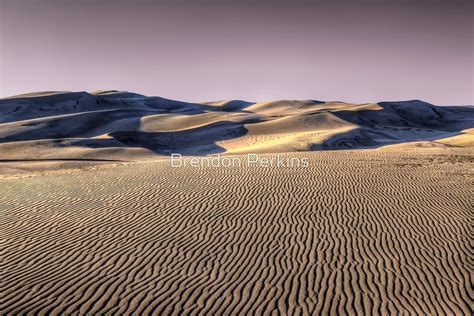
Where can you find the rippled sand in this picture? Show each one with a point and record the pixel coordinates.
(368, 232)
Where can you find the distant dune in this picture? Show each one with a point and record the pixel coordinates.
(113, 125)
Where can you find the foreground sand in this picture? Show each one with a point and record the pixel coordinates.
(369, 232)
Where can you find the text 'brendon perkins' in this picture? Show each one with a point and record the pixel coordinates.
(249, 160)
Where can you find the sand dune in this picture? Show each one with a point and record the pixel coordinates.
(129, 126)
(366, 232)
(382, 227)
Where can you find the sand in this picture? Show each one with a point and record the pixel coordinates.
(94, 220)
(124, 126)
(364, 231)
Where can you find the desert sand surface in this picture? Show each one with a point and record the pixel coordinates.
(356, 232)
(95, 220)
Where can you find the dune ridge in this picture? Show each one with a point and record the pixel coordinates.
(129, 126)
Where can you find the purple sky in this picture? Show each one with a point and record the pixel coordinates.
(359, 51)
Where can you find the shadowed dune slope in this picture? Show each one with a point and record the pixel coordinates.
(357, 232)
(59, 125)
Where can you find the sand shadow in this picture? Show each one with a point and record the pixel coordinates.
(27, 108)
(399, 122)
(195, 141)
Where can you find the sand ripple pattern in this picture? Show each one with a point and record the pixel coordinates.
(355, 233)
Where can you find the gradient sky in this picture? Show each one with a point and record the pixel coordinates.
(194, 50)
